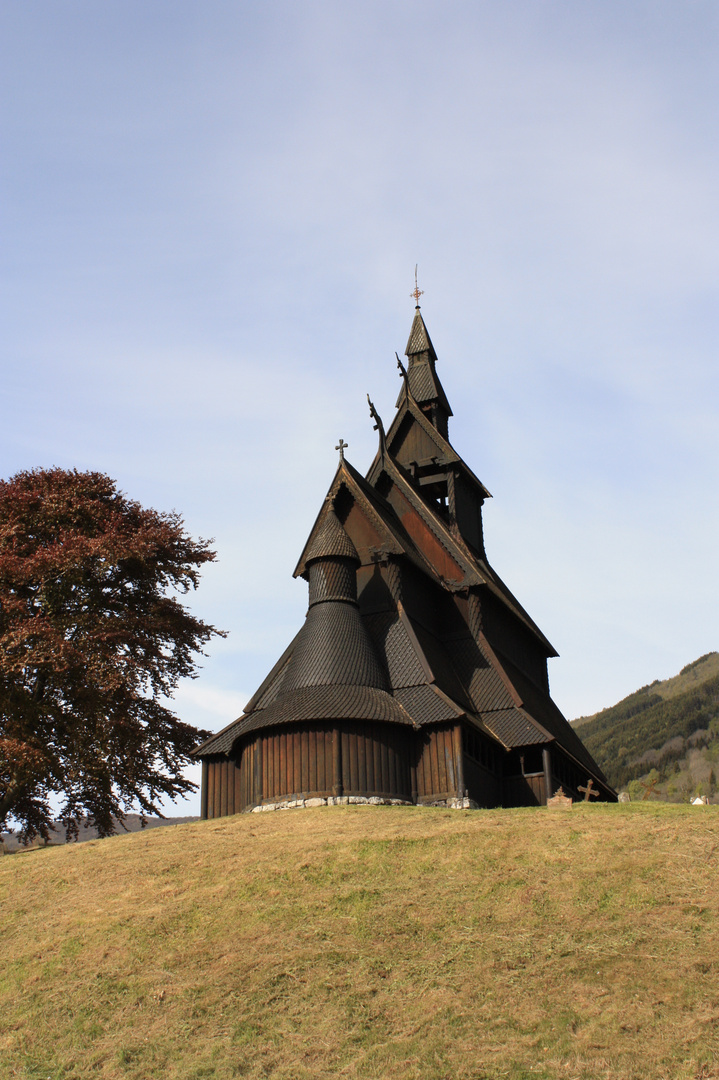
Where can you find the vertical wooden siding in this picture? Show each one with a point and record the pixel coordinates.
(221, 788)
(296, 762)
(375, 759)
(437, 772)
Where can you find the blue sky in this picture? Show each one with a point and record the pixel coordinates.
(211, 214)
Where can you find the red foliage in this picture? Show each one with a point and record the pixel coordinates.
(91, 641)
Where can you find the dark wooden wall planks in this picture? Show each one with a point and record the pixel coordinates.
(303, 761)
(359, 758)
(437, 765)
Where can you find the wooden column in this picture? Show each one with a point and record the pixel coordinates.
(237, 778)
(547, 765)
(203, 792)
(337, 788)
(223, 777)
(459, 760)
(257, 772)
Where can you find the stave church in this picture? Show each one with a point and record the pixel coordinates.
(417, 677)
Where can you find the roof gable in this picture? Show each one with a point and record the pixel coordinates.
(477, 570)
(448, 555)
(410, 415)
(367, 519)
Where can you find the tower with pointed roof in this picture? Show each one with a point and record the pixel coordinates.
(417, 677)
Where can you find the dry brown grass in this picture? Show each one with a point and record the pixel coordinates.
(370, 942)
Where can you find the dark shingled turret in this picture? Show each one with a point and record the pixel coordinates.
(331, 540)
(332, 562)
(334, 646)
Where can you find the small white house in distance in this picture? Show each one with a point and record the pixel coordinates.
(701, 800)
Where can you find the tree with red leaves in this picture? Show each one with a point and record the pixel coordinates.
(92, 643)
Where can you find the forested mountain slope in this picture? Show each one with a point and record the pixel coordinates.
(667, 731)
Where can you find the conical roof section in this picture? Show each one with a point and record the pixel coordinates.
(419, 339)
(334, 648)
(331, 541)
(424, 383)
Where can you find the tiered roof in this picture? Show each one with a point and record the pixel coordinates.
(408, 662)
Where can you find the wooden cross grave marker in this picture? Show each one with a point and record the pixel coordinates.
(648, 788)
(589, 790)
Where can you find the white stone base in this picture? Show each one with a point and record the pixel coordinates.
(361, 800)
(341, 800)
(455, 804)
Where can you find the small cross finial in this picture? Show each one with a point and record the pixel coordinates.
(341, 447)
(417, 291)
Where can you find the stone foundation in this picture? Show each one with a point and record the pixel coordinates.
(349, 800)
(454, 804)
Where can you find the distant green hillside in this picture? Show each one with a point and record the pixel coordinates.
(667, 730)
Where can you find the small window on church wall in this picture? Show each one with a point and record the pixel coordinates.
(477, 748)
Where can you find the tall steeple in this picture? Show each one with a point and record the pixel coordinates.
(424, 384)
(418, 440)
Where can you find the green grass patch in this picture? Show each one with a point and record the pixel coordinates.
(406, 944)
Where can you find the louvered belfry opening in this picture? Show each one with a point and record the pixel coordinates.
(416, 676)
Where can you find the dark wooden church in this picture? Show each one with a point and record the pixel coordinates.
(417, 677)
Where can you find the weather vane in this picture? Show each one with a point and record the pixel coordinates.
(341, 447)
(417, 291)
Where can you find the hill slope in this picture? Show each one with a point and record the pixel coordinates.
(670, 726)
(398, 943)
(132, 823)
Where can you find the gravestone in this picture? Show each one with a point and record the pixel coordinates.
(560, 801)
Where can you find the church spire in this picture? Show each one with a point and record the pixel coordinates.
(424, 384)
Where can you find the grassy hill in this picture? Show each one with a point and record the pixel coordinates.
(668, 729)
(132, 823)
(372, 943)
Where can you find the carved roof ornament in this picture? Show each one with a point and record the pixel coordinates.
(342, 446)
(417, 291)
(404, 375)
(378, 426)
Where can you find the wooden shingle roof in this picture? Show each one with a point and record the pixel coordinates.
(395, 663)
